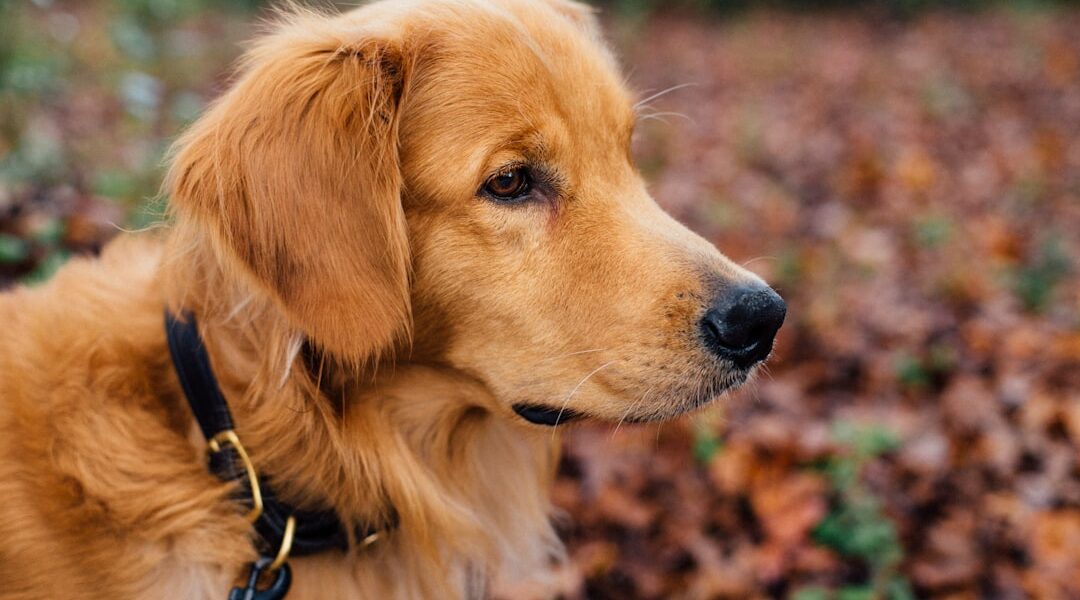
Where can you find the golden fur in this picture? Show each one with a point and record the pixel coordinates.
(330, 197)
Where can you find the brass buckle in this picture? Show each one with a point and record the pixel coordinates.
(216, 444)
(286, 544)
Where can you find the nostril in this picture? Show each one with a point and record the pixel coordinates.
(711, 325)
(742, 324)
(727, 332)
(740, 327)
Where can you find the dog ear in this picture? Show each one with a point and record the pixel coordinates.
(294, 174)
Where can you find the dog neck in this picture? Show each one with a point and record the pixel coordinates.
(417, 441)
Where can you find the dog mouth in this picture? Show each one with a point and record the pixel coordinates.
(706, 393)
(544, 415)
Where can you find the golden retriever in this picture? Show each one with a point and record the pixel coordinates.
(412, 236)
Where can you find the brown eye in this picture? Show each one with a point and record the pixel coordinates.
(511, 184)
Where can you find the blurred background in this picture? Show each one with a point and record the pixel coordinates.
(907, 174)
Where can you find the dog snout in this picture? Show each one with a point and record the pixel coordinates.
(741, 324)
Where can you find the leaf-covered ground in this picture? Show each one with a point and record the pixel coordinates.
(911, 187)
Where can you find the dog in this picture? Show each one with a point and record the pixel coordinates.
(410, 239)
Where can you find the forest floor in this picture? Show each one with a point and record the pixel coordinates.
(912, 188)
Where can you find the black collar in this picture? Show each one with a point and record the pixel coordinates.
(313, 531)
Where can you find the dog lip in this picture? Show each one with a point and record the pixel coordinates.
(539, 414)
(543, 415)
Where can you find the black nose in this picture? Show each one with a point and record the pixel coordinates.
(742, 322)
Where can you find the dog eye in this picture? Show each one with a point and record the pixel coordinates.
(510, 184)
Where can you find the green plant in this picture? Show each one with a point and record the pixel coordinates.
(919, 371)
(911, 372)
(48, 265)
(707, 442)
(856, 527)
(1034, 282)
(932, 232)
(48, 238)
(12, 249)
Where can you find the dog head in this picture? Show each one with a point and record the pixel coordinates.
(450, 182)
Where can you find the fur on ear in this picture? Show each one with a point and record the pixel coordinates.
(294, 175)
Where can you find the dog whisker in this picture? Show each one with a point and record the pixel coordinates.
(655, 118)
(673, 88)
(757, 258)
(764, 370)
(659, 116)
(577, 353)
(630, 409)
(558, 417)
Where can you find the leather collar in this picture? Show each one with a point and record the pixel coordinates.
(313, 531)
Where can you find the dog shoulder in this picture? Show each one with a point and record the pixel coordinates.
(84, 390)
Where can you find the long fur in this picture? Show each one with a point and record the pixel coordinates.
(370, 319)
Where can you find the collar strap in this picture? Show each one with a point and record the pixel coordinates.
(279, 525)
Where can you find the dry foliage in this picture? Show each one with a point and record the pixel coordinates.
(913, 190)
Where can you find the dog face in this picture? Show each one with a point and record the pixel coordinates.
(455, 179)
(542, 266)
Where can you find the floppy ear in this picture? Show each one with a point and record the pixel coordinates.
(294, 173)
